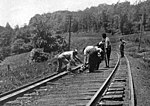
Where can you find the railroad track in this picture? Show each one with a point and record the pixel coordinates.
(104, 87)
(118, 89)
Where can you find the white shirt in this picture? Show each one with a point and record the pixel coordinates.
(67, 54)
(89, 49)
(107, 42)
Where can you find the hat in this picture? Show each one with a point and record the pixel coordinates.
(100, 42)
(104, 35)
(75, 51)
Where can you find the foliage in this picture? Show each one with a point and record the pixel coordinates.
(4, 52)
(122, 16)
(42, 38)
(19, 46)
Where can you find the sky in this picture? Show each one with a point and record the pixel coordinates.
(19, 12)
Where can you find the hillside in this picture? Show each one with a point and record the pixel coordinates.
(16, 71)
(19, 60)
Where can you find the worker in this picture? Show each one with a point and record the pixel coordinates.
(91, 57)
(121, 47)
(67, 58)
(107, 48)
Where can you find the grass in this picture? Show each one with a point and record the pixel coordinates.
(16, 71)
(132, 47)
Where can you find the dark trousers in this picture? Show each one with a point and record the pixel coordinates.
(122, 53)
(122, 50)
(108, 53)
(98, 63)
(93, 61)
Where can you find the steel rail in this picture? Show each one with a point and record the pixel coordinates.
(14, 93)
(131, 85)
(99, 93)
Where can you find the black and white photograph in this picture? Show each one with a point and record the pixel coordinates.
(74, 52)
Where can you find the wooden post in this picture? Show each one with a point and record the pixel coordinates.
(8, 68)
(70, 18)
(68, 21)
(141, 32)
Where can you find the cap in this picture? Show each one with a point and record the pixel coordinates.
(100, 43)
(104, 35)
(75, 51)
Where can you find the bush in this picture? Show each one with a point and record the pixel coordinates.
(4, 52)
(27, 47)
(17, 46)
(38, 55)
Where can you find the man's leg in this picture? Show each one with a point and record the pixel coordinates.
(59, 65)
(108, 55)
(97, 65)
(122, 53)
(98, 61)
(105, 57)
(90, 61)
(93, 61)
(67, 64)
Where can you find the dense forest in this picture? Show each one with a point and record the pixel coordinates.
(45, 30)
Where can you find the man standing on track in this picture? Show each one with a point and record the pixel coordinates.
(107, 48)
(67, 58)
(91, 56)
(121, 46)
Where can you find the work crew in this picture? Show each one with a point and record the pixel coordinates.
(91, 57)
(121, 47)
(107, 49)
(67, 58)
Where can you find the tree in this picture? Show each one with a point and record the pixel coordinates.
(105, 20)
(8, 26)
(6, 37)
(4, 52)
(17, 46)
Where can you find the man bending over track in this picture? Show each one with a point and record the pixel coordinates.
(91, 57)
(67, 58)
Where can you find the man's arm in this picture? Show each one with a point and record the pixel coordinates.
(124, 42)
(72, 57)
(85, 59)
(85, 56)
(77, 58)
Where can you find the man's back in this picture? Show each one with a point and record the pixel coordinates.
(67, 54)
(88, 49)
(91, 49)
